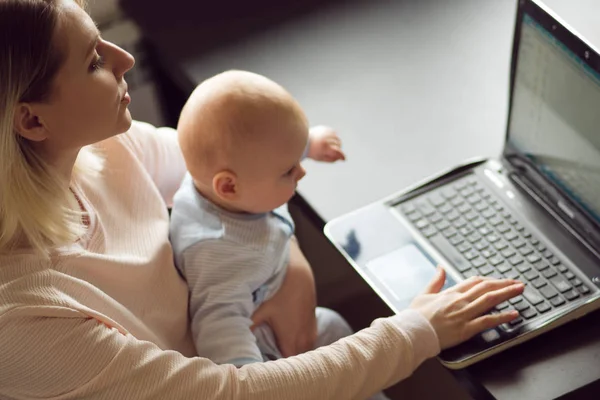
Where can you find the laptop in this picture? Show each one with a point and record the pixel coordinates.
(533, 214)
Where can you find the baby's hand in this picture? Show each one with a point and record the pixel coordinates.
(325, 144)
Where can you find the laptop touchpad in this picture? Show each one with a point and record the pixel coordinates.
(404, 273)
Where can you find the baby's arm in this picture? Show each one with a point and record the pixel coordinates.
(219, 274)
(324, 144)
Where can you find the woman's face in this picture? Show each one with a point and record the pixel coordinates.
(89, 96)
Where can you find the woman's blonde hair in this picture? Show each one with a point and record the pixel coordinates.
(36, 208)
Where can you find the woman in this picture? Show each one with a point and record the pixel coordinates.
(91, 305)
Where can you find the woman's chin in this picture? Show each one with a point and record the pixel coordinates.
(125, 122)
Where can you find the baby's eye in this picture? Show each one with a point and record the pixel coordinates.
(290, 171)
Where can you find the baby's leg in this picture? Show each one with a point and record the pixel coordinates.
(331, 327)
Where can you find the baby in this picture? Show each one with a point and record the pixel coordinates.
(242, 137)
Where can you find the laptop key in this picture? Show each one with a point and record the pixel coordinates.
(549, 273)
(511, 235)
(481, 245)
(562, 268)
(453, 215)
(523, 267)
(529, 313)
(471, 254)
(457, 201)
(437, 200)
(445, 208)
(532, 296)
(515, 260)
(503, 268)
(560, 283)
(501, 244)
(542, 265)
(469, 273)
(502, 306)
(569, 275)
(478, 262)
(481, 206)
(456, 240)
(543, 307)
(443, 224)
(474, 199)
(435, 217)
(463, 247)
(496, 260)
(495, 220)
(518, 243)
(554, 261)
(548, 292)
(538, 283)
(503, 228)
(459, 223)
(429, 231)
(489, 213)
(557, 301)
(492, 238)
(485, 230)
(571, 295)
(533, 258)
(422, 223)
(449, 232)
(425, 208)
(512, 274)
(474, 237)
(485, 270)
(583, 289)
(465, 231)
(488, 253)
(521, 306)
(526, 250)
(576, 282)
(449, 193)
(506, 253)
(516, 299)
(516, 321)
(478, 223)
(531, 275)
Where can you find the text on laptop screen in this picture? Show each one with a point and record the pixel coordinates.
(555, 115)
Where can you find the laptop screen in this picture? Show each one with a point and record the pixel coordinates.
(555, 114)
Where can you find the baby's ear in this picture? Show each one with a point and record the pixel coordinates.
(225, 185)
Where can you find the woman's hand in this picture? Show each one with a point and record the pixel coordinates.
(459, 313)
(291, 311)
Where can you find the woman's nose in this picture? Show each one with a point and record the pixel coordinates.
(122, 61)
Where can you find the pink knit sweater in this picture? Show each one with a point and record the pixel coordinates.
(107, 317)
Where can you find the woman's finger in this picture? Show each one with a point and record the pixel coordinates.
(487, 286)
(436, 284)
(489, 321)
(467, 284)
(490, 299)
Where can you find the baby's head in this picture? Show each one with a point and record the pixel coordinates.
(242, 137)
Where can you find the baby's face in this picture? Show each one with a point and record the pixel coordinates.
(273, 171)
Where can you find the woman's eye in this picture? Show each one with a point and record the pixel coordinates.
(97, 64)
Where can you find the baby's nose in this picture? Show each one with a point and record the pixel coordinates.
(301, 173)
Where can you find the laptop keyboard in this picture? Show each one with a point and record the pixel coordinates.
(469, 225)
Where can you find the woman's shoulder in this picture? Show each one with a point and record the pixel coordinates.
(29, 284)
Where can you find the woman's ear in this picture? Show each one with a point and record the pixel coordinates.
(225, 185)
(28, 124)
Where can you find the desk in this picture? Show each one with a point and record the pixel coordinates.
(413, 87)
